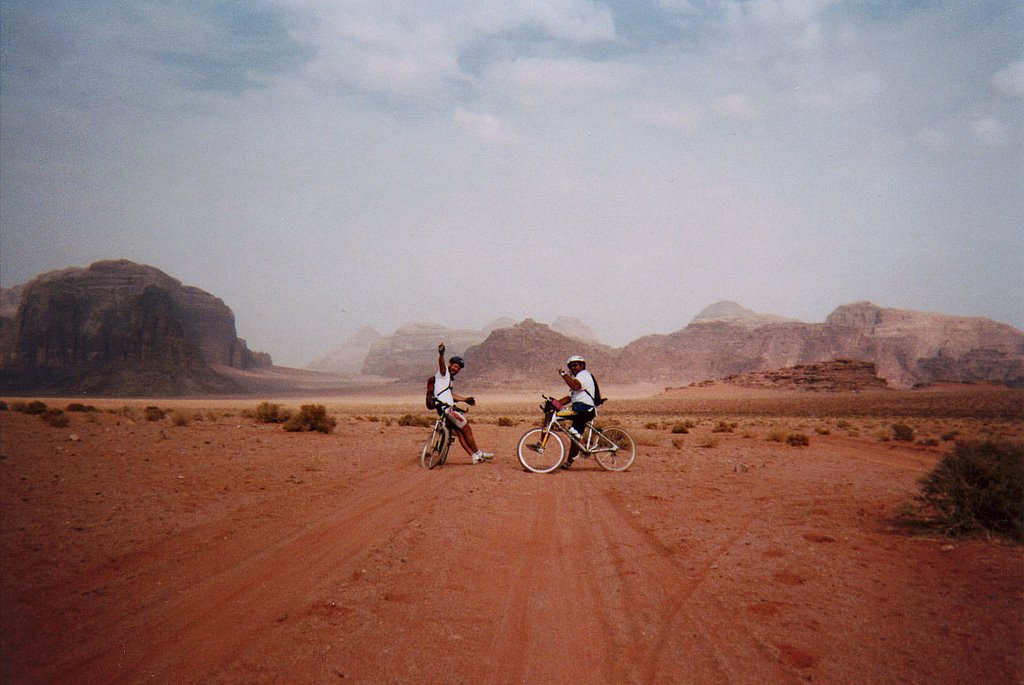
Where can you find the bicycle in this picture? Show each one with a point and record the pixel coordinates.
(541, 450)
(435, 451)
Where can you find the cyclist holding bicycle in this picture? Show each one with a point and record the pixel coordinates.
(444, 393)
(582, 390)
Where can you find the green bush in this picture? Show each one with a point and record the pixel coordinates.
(901, 431)
(979, 485)
(311, 417)
(269, 412)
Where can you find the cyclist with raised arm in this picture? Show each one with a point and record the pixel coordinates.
(444, 393)
(580, 403)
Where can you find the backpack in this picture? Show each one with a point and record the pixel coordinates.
(430, 393)
(598, 400)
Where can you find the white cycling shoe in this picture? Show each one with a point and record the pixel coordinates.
(482, 456)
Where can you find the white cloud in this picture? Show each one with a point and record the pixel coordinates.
(933, 139)
(842, 92)
(484, 126)
(989, 132)
(735, 106)
(550, 83)
(1010, 81)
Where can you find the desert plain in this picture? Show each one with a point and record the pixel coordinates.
(208, 547)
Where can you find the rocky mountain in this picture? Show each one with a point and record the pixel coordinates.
(572, 327)
(912, 347)
(118, 328)
(727, 311)
(527, 352)
(905, 347)
(410, 352)
(350, 356)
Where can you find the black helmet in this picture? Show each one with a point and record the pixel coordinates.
(458, 360)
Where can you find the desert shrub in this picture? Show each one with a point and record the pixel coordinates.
(79, 407)
(271, 412)
(35, 408)
(652, 425)
(506, 421)
(797, 440)
(55, 417)
(3, 406)
(928, 442)
(680, 429)
(901, 431)
(843, 424)
(152, 413)
(979, 485)
(181, 418)
(724, 427)
(709, 441)
(415, 420)
(822, 430)
(778, 435)
(311, 417)
(18, 405)
(949, 436)
(130, 413)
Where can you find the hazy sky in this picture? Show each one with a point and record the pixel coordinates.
(323, 165)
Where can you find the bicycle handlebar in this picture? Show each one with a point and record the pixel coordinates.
(454, 405)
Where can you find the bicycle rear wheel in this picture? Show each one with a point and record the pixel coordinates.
(436, 448)
(540, 459)
(616, 449)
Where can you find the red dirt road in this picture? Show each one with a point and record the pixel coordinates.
(227, 551)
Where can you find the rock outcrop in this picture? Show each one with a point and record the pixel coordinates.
(832, 376)
(120, 328)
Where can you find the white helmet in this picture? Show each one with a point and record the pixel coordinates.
(575, 358)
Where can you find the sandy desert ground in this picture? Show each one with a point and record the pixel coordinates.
(229, 551)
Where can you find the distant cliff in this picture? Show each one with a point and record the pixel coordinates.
(906, 348)
(118, 328)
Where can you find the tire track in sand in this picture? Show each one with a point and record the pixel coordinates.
(686, 635)
(204, 623)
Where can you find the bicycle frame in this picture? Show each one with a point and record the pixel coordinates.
(542, 450)
(589, 442)
(434, 452)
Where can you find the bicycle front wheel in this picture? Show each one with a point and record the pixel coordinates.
(436, 448)
(615, 449)
(540, 451)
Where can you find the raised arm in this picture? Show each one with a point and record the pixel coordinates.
(441, 366)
